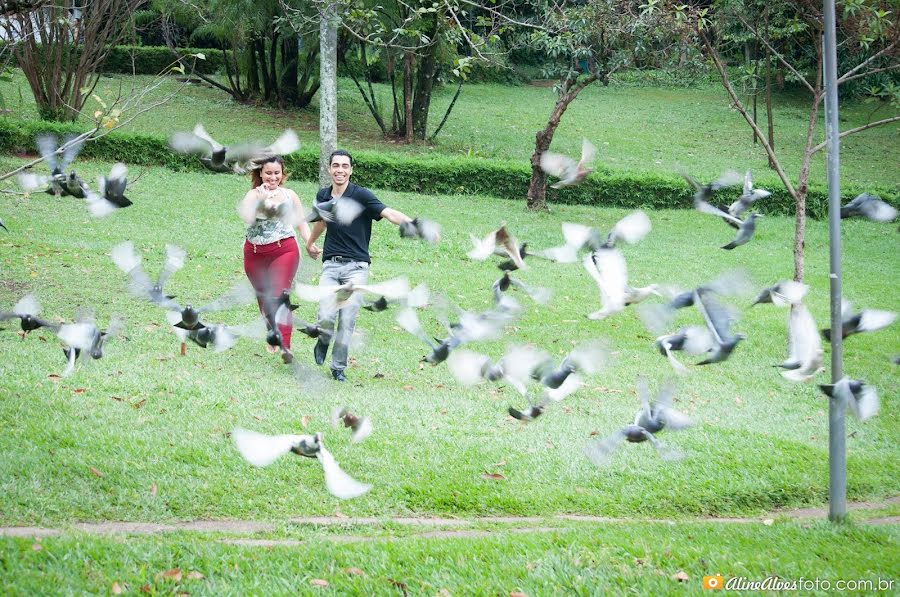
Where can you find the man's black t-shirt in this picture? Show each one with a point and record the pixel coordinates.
(352, 240)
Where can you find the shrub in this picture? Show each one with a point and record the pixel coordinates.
(152, 60)
(434, 175)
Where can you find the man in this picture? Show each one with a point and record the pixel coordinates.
(345, 257)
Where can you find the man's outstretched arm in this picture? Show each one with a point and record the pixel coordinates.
(395, 217)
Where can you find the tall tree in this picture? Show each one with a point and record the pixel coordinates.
(868, 45)
(587, 41)
(60, 46)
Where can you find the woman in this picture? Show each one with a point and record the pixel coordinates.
(271, 256)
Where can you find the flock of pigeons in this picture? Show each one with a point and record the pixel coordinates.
(523, 366)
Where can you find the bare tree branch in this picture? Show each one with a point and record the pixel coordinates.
(869, 125)
(848, 75)
(723, 74)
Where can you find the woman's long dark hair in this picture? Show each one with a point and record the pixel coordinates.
(256, 173)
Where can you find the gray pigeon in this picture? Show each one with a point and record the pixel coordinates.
(653, 417)
(870, 207)
(867, 320)
(718, 321)
(262, 450)
(748, 197)
(566, 169)
(745, 232)
(861, 398)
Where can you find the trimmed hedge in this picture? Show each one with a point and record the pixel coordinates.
(438, 175)
(152, 60)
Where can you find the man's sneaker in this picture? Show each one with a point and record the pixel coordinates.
(338, 375)
(319, 352)
(287, 356)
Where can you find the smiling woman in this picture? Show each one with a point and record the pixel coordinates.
(271, 256)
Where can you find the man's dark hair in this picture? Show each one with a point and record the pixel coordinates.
(340, 152)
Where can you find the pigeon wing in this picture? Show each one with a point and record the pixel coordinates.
(339, 484)
(262, 450)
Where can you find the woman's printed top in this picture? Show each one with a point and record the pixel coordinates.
(269, 227)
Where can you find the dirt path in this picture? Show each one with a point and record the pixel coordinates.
(452, 527)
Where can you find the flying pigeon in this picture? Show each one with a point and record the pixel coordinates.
(505, 282)
(26, 309)
(861, 398)
(785, 292)
(421, 228)
(694, 340)
(129, 261)
(188, 318)
(566, 169)
(652, 418)
(360, 428)
(870, 207)
(49, 148)
(718, 321)
(342, 210)
(84, 337)
(111, 192)
(262, 450)
(484, 248)
(234, 158)
(747, 198)
(804, 346)
(867, 320)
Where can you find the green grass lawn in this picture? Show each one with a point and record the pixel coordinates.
(642, 558)
(153, 423)
(643, 129)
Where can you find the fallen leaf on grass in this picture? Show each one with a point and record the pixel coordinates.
(378, 376)
(96, 472)
(567, 409)
(37, 546)
(354, 571)
(139, 403)
(594, 433)
(444, 593)
(145, 588)
(117, 399)
(681, 576)
(304, 420)
(398, 584)
(153, 490)
(183, 349)
(319, 582)
(494, 476)
(501, 463)
(174, 574)
(53, 377)
(116, 589)
(194, 575)
(517, 594)
(408, 388)
(79, 390)
(42, 339)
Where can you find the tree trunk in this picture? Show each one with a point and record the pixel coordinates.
(770, 118)
(273, 65)
(425, 76)
(407, 97)
(309, 82)
(537, 189)
(259, 46)
(289, 57)
(252, 70)
(803, 181)
(328, 94)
